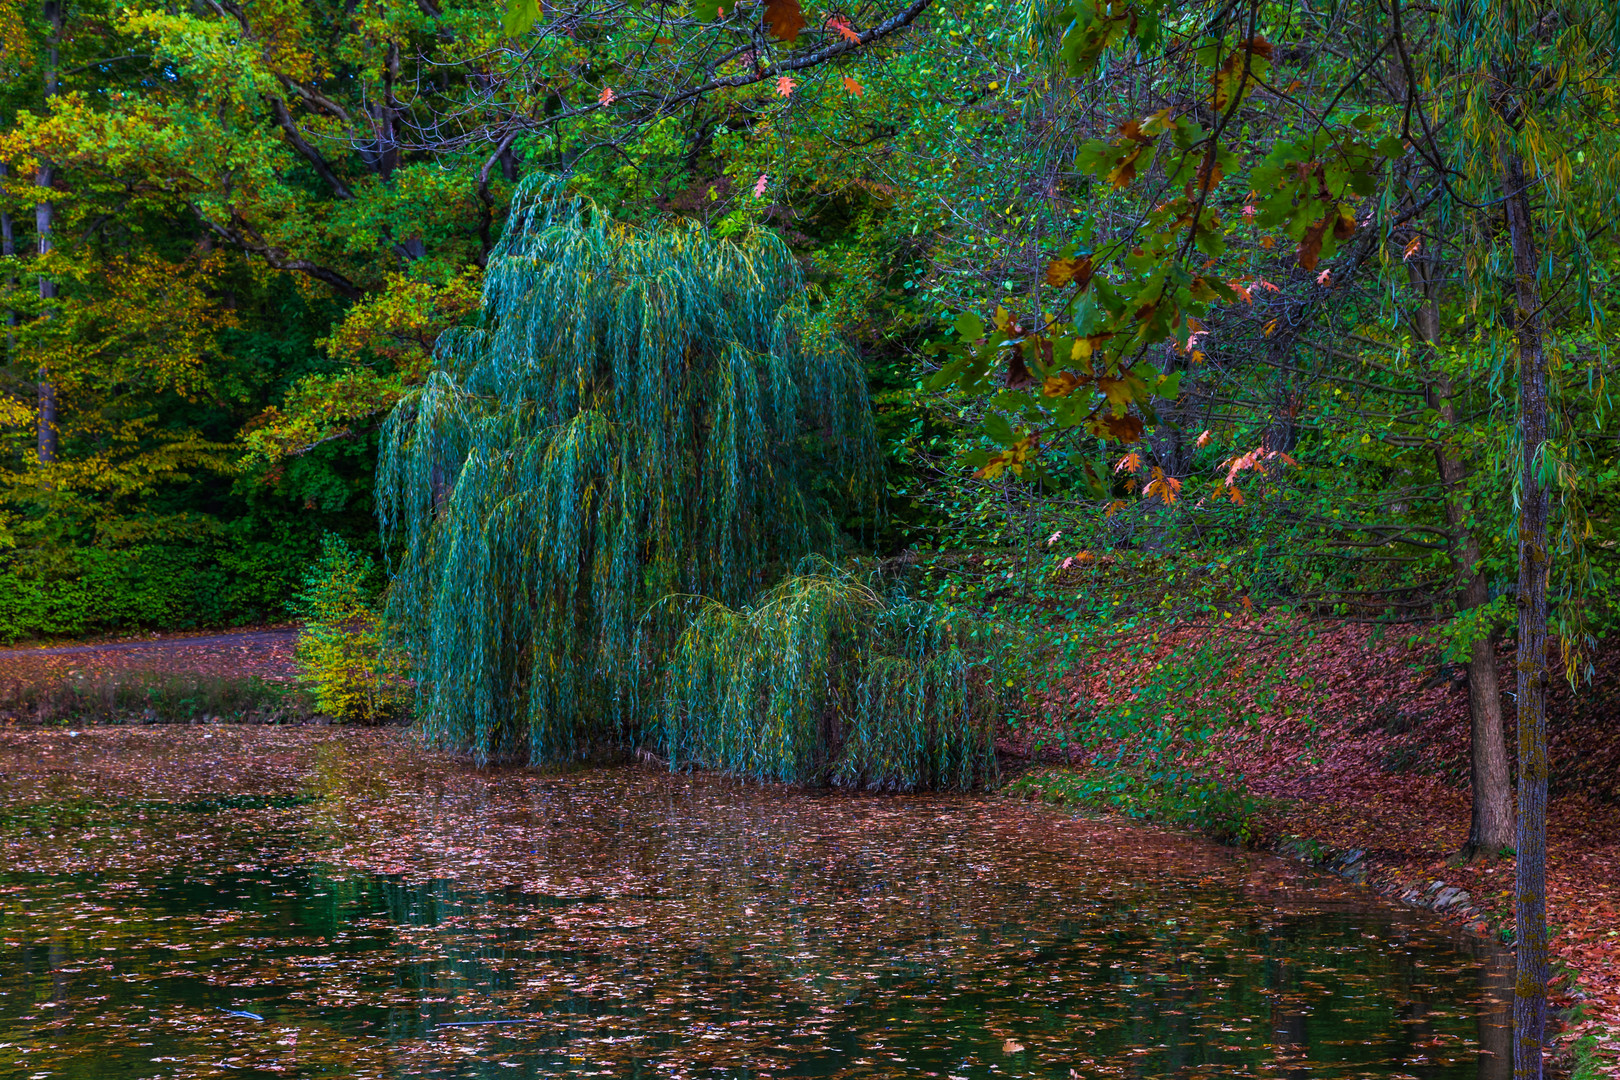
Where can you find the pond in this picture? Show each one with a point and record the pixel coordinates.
(187, 902)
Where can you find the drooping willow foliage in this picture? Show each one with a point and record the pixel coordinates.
(638, 412)
(827, 680)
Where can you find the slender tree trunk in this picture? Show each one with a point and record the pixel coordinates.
(1530, 901)
(8, 248)
(1491, 828)
(44, 222)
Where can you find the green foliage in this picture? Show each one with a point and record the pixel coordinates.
(1210, 805)
(340, 645)
(828, 680)
(221, 574)
(638, 412)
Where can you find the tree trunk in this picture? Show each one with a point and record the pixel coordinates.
(8, 248)
(44, 221)
(1530, 901)
(1491, 827)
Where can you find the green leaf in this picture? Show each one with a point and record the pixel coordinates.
(520, 16)
(970, 326)
(946, 376)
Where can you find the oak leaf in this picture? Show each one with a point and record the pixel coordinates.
(1060, 272)
(845, 31)
(784, 19)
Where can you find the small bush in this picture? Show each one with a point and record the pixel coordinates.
(341, 648)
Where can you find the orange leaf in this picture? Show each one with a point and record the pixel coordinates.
(1165, 487)
(606, 96)
(1059, 272)
(841, 24)
(851, 86)
(785, 85)
(1203, 440)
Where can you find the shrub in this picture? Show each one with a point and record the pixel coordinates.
(340, 648)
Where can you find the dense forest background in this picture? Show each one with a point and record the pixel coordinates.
(233, 235)
(841, 394)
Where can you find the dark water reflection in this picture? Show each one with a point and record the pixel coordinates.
(640, 925)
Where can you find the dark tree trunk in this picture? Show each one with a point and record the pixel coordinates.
(1530, 901)
(1491, 828)
(8, 248)
(44, 222)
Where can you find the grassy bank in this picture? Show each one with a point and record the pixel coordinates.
(143, 697)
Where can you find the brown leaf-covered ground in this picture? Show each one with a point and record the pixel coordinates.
(266, 653)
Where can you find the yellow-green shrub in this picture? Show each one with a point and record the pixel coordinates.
(341, 649)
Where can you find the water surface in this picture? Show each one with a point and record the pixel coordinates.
(189, 902)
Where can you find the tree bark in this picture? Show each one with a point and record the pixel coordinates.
(44, 222)
(1530, 899)
(1491, 826)
(8, 248)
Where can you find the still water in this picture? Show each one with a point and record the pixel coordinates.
(182, 903)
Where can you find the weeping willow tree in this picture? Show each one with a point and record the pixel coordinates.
(637, 412)
(827, 680)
